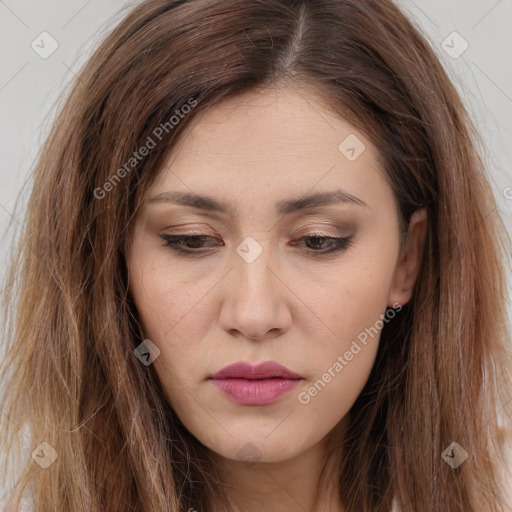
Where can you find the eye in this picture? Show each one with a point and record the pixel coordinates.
(192, 244)
(332, 244)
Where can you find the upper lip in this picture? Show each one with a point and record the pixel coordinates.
(264, 370)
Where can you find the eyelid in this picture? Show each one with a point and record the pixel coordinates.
(184, 230)
(321, 232)
(310, 233)
(331, 229)
(314, 231)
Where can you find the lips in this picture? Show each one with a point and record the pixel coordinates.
(265, 370)
(260, 384)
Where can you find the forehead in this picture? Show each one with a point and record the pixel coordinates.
(269, 136)
(264, 122)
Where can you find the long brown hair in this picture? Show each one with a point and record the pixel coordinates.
(70, 374)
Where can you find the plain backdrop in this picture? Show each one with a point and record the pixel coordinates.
(477, 57)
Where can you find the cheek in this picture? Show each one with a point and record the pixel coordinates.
(352, 303)
(351, 297)
(169, 306)
(162, 296)
(331, 395)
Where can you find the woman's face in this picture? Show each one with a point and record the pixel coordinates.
(261, 283)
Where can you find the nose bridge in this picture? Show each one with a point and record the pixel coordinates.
(254, 281)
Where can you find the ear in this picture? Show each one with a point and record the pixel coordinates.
(409, 261)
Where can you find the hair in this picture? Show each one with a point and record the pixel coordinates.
(71, 327)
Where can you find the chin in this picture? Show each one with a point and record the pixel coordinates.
(253, 449)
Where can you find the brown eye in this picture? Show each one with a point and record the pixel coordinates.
(193, 244)
(316, 241)
(320, 243)
(186, 243)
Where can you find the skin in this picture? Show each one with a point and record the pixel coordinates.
(290, 305)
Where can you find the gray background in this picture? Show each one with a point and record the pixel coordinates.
(30, 85)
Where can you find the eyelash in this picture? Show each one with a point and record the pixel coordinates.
(338, 244)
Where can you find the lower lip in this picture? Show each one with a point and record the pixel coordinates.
(255, 392)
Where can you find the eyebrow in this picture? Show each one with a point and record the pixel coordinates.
(283, 207)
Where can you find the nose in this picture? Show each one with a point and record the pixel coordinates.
(256, 301)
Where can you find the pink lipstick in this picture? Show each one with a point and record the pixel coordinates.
(259, 384)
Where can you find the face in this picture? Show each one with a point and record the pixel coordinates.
(258, 273)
